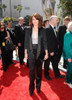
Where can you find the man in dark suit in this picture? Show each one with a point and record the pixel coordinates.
(52, 45)
(20, 34)
(8, 28)
(61, 32)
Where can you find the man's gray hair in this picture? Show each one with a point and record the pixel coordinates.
(69, 25)
(53, 16)
(20, 18)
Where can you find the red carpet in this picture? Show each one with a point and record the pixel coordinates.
(14, 85)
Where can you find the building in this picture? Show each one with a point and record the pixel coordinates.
(0, 9)
(44, 7)
(10, 9)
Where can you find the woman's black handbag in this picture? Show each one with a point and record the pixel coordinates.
(9, 45)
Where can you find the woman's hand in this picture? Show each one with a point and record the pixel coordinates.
(19, 44)
(52, 54)
(46, 57)
(69, 60)
(0, 51)
(7, 38)
(26, 56)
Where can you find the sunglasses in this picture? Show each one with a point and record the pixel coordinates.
(2, 27)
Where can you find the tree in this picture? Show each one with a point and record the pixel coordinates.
(3, 6)
(8, 19)
(66, 6)
(19, 8)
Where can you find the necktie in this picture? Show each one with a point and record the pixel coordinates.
(55, 31)
(21, 27)
(54, 27)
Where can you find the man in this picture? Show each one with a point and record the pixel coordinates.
(52, 49)
(61, 33)
(46, 23)
(20, 34)
(8, 28)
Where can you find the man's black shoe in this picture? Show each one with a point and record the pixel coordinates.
(38, 90)
(65, 67)
(13, 63)
(60, 76)
(27, 63)
(5, 69)
(21, 63)
(48, 77)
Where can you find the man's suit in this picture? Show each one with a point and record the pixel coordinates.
(61, 33)
(52, 45)
(20, 35)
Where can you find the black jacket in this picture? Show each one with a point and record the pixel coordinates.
(52, 42)
(20, 34)
(61, 33)
(42, 42)
(11, 35)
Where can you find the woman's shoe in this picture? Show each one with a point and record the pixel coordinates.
(70, 85)
(38, 90)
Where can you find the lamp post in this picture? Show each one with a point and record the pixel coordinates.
(0, 9)
(10, 9)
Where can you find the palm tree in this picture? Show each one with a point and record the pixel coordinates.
(43, 1)
(10, 8)
(19, 8)
(3, 6)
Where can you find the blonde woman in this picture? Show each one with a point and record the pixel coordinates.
(67, 54)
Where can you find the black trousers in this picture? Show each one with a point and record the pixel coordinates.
(59, 57)
(21, 53)
(60, 50)
(54, 61)
(5, 59)
(32, 65)
(10, 53)
(33, 62)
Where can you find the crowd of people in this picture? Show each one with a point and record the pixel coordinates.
(36, 43)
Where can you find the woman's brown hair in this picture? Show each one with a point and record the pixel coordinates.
(2, 24)
(38, 17)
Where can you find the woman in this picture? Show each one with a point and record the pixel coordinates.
(5, 54)
(35, 41)
(67, 54)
